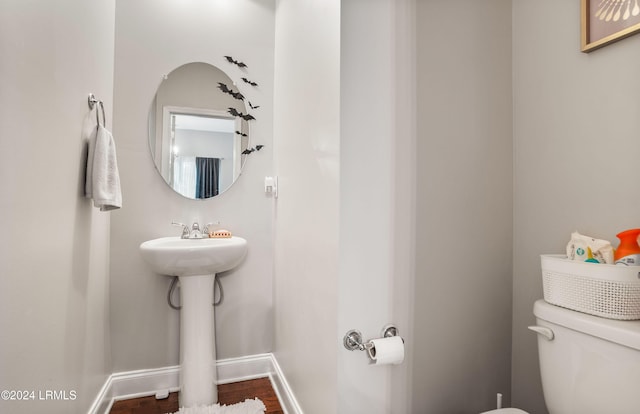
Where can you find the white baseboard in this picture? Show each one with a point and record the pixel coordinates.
(134, 384)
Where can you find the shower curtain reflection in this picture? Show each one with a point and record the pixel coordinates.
(207, 176)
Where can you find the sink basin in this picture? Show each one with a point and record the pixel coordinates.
(174, 256)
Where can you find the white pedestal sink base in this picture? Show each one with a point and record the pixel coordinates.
(195, 262)
(197, 342)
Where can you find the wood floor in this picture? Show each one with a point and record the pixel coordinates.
(227, 394)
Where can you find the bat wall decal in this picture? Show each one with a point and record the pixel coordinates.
(246, 117)
(249, 82)
(242, 134)
(253, 106)
(250, 150)
(224, 88)
(235, 62)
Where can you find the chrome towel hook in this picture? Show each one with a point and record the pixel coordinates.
(93, 101)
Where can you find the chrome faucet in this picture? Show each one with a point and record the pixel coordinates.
(195, 231)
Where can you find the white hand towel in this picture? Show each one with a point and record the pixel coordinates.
(102, 181)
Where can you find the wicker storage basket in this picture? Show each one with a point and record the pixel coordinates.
(608, 291)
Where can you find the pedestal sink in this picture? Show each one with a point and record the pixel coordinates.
(195, 262)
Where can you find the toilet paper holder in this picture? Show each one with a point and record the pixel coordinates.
(353, 339)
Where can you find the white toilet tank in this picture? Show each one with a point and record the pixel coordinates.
(592, 364)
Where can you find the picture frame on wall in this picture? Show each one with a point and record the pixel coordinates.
(607, 21)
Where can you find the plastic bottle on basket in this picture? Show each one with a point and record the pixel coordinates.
(628, 252)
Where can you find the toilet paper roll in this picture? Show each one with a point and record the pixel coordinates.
(386, 351)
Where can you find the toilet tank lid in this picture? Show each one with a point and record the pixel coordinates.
(620, 332)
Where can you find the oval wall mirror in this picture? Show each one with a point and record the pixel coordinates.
(195, 141)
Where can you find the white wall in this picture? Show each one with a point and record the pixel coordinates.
(54, 248)
(376, 184)
(462, 312)
(153, 38)
(576, 123)
(306, 221)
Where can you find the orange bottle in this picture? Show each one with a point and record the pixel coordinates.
(628, 252)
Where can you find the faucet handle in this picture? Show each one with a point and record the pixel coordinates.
(206, 230)
(185, 229)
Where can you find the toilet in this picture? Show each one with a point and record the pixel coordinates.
(588, 364)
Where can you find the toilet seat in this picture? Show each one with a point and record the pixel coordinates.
(505, 411)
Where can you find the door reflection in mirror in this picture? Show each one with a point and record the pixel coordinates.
(202, 157)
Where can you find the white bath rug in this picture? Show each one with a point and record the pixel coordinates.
(247, 407)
